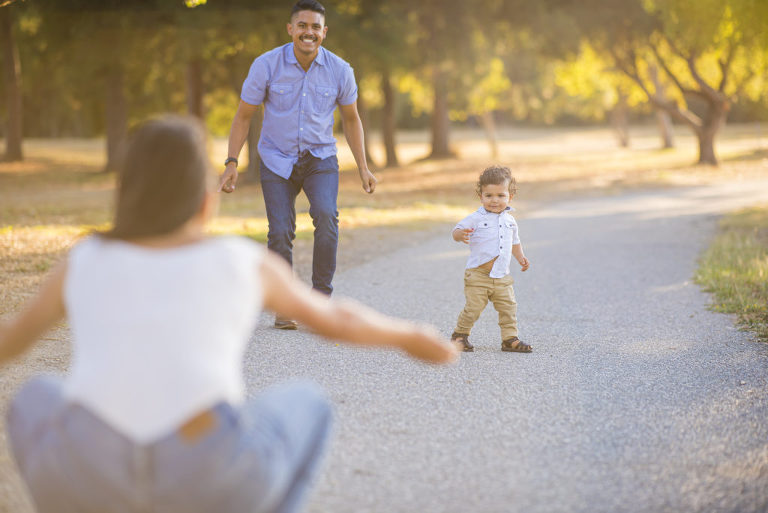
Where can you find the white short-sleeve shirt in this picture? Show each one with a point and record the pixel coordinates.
(159, 334)
(493, 236)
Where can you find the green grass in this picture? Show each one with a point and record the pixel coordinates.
(735, 269)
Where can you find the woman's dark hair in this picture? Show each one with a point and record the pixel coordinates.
(308, 5)
(496, 175)
(163, 178)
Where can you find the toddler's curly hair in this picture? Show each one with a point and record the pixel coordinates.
(496, 175)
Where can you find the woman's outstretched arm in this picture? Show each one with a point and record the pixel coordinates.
(38, 316)
(347, 320)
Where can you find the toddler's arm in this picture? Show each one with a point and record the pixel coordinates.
(346, 320)
(38, 316)
(462, 235)
(517, 252)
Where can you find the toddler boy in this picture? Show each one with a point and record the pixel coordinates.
(491, 233)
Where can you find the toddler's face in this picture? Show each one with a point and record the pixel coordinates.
(495, 197)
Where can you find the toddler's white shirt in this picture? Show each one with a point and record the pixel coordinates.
(494, 236)
(159, 334)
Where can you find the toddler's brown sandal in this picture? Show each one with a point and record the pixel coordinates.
(463, 341)
(515, 345)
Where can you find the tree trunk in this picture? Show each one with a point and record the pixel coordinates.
(388, 122)
(440, 121)
(489, 125)
(707, 148)
(195, 87)
(619, 119)
(665, 129)
(12, 74)
(364, 119)
(116, 116)
(662, 117)
(712, 122)
(253, 173)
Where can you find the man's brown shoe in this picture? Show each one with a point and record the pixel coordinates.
(281, 323)
(463, 341)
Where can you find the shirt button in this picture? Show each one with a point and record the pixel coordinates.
(303, 94)
(301, 129)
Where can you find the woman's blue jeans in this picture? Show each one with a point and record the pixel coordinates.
(260, 457)
(319, 178)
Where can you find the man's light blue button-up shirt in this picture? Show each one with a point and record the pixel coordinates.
(493, 236)
(298, 105)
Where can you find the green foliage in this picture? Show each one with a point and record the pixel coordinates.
(541, 61)
(594, 80)
(722, 38)
(220, 106)
(735, 269)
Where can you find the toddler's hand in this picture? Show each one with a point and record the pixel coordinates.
(525, 264)
(465, 234)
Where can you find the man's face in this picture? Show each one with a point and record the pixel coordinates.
(307, 29)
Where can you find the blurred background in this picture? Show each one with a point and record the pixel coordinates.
(91, 68)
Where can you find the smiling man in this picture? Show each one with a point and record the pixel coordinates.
(300, 84)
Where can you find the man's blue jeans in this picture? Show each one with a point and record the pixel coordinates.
(319, 178)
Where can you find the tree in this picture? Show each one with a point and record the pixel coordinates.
(439, 37)
(373, 37)
(12, 74)
(602, 90)
(488, 88)
(711, 50)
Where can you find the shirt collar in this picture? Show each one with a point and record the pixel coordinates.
(291, 57)
(483, 211)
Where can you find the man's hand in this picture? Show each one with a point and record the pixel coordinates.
(369, 181)
(460, 235)
(228, 179)
(524, 264)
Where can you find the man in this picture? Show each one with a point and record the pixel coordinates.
(300, 84)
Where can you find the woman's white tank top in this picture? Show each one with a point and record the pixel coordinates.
(159, 334)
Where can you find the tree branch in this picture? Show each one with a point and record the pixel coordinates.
(684, 116)
(710, 93)
(676, 49)
(672, 76)
(740, 87)
(725, 66)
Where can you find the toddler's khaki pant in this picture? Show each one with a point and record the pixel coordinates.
(479, 288)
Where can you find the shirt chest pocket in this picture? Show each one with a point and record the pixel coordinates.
(484, 232)
(324, 99)
(510, 231)
(280, 96)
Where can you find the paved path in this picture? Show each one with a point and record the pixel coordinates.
(636, 399)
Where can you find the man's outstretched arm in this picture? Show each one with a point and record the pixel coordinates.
(353, 131)
(237, 135)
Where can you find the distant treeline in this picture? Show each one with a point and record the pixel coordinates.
(83, 68)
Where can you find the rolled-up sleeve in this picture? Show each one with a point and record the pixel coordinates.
(515, 234)
(347, 87)
(255, 84)
(468, 222)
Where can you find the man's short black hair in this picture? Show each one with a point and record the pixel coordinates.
(308, 5)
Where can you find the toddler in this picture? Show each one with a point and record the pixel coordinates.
(491, 233)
